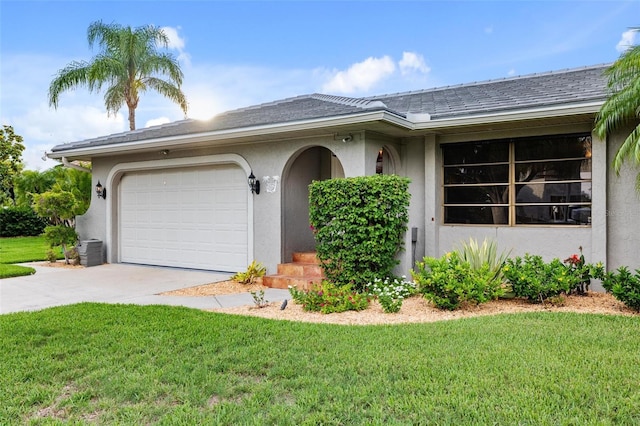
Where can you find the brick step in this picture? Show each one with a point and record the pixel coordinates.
(283, 282)
(303, 273)
(300, 270)
(306, 257)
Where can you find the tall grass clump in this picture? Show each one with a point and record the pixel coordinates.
(484, 255)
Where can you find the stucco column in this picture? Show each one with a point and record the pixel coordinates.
(598, 200)
(431, 199)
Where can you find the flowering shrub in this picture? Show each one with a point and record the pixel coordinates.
(327, 298)
(533, 278)
(584, 271)
(624, 286)
(449, 282)
(390, 292)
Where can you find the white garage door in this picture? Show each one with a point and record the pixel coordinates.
(191, 218)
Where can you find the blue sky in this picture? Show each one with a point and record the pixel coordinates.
(241, 53)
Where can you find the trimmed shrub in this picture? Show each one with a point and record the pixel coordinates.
(359, 224)
(624, 286)
(533, 278)
(20, 222)
(449, 282)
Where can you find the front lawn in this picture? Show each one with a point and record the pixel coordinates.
(20, 250)
(120, 364)
(23, 249)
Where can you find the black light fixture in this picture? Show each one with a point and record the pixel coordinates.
(100, 191)
(254, 184)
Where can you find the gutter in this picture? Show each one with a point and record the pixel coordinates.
(66, 163)
(502, 117)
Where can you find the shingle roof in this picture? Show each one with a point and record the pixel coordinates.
(517, 93)
(535, 90)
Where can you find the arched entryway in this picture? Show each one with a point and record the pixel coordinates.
(305, 166)
(386, 163)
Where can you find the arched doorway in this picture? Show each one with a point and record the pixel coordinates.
(385, 163)
(315, 163)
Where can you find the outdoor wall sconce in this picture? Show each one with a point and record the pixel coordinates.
(100, 191)
(254, 184)
(347, 138)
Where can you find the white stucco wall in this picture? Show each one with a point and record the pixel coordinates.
(623, 211)
(264, 159)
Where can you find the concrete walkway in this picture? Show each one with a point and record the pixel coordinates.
(116, 283)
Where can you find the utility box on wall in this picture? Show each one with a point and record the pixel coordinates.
(90, 252)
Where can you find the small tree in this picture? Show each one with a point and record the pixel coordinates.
(358, 225)
(11, 148)
(31, 182)
(60, 208)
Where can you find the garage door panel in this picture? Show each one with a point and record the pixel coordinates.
(192, 217)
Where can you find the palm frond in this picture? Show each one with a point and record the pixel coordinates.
(76, 74)
(169, 91)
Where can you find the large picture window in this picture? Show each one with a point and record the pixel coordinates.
(544, 180)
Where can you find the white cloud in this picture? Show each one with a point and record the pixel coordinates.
(177, 43)
(511, 72)
(361, 76)
(627, 40)
(412, 62)
(489, 29)
(42, 128)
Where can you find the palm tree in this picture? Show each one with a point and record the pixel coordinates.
(129, 64)
(622, 107)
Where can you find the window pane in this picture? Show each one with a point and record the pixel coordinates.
(477, 215)
(553, 170)
(498, 194)
(476, 174)
(553, 215)
(476, 152)
(554, 192)
(549, 147)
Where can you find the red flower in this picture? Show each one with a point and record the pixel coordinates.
(574, 259)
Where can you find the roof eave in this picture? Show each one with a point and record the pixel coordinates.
(220, 137)
(564, 110)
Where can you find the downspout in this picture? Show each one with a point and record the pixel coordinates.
(66, 163)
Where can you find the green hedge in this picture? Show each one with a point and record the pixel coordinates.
(359, 224)
(20, 222)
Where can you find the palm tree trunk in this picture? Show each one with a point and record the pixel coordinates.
(132, 118)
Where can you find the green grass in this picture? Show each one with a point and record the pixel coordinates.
(23, 249)
(20, 250)
(120, 364)
(9, 271)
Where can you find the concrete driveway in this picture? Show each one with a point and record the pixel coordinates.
(116, 283)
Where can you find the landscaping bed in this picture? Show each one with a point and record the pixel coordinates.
(415, 309)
